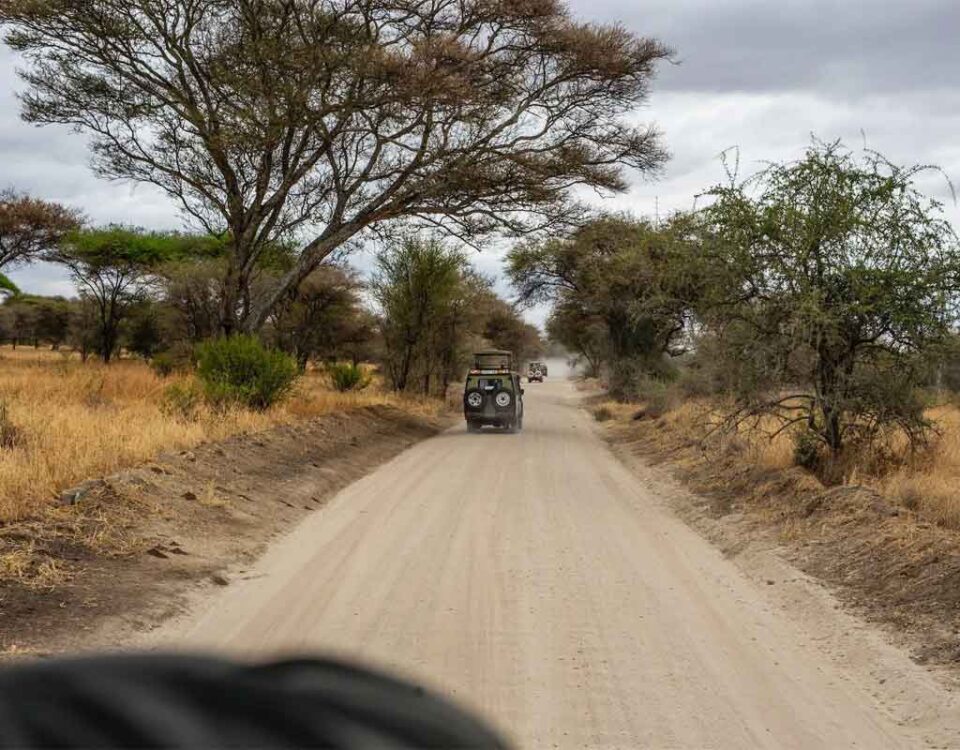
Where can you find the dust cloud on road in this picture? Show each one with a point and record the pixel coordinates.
(534, 579)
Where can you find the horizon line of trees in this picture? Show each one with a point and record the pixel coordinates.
(159, 294)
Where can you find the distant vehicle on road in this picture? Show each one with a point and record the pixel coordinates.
(536, 372)
(492, 394)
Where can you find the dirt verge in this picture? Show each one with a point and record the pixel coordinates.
(124, 556)
(880, 559)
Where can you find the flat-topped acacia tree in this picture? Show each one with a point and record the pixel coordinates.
(30, 227)
(325, 120)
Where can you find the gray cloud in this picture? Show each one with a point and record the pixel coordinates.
(844, 48)
(757, 74)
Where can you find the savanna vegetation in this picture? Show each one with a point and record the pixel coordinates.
(808, 311)
(334, 122)
(290, 134)
(811, 305)
(136, 363)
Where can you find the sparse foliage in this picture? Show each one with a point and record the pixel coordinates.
(846, 277)
(434, 309)
(623, 290)
(418, 288)
(116, 269)
(322, 318)
(111, 269)
(29, 227)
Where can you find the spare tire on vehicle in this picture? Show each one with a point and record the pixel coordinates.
(473, 399)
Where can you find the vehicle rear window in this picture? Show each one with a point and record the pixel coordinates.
(489, 384)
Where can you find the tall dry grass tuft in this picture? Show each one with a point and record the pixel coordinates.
(929, 483)
(68, 421)
(926, 481)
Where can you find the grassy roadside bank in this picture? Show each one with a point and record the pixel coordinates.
(64, 421)
(130, 554)
(171, 497)
(885, 538)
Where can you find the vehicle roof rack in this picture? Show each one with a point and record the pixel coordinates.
(497, 360)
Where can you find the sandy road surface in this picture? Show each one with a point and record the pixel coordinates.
(535, 579)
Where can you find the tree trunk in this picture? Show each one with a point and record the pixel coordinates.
(311, 257)
(404, 374)
(106, 347)
(228, 306)
(108, 338)
(831, 429)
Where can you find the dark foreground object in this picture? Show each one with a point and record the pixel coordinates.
(179, 701)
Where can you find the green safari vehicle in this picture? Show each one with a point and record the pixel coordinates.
(492, 394)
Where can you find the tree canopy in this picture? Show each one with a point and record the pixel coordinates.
(325, 119)
(637, 281)
(115, 267)
(30, 227)
(844, 278)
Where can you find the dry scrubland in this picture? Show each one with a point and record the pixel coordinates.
(66, 421)
(926, 481)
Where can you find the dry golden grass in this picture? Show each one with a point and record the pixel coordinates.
(930, 483)
(927, 482)
(69, 421)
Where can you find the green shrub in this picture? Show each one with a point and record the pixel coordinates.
(347, 377)
(241, 370)
(603, 414)
(178, 358)
(808, 450)
(163, 365)
(182, 401)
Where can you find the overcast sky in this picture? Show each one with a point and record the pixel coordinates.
(761, 75)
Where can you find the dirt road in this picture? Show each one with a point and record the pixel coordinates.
(534, 578)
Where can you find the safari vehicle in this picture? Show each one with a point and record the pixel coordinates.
(492, 394)
(536, 372)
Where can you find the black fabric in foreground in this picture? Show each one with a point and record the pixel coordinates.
(181, 702)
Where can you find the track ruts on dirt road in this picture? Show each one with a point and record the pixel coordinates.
(537, 580)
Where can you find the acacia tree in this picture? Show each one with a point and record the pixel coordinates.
(417, 287)
(193, 291)
(322, 318)
(29, 228)
(639, 281)
(583, 333)
(327, 119)
(21, 318)
(503, 328)
(846, 276)
(115, 268)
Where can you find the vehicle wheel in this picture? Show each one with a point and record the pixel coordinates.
(520, 424)
(473, 399)
(510, 427)
(472, 426)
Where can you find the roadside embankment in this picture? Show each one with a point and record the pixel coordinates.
(123, 557)
(884, 556)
